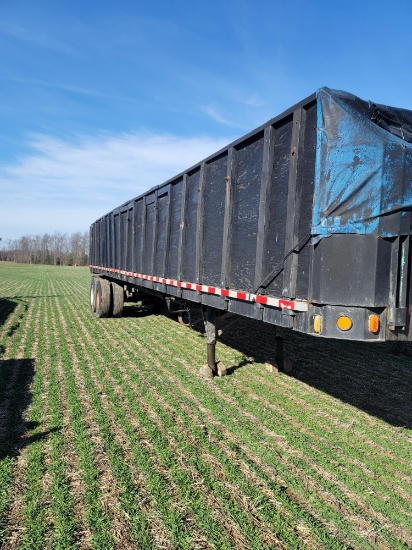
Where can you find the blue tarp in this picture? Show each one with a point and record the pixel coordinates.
(363, 179)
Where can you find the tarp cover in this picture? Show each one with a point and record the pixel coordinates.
(363, 179)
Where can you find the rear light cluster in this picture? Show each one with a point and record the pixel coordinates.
(345, 323)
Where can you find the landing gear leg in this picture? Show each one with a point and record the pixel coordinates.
(212, 368)
(282, 363)
(209, 370)
(279, 341)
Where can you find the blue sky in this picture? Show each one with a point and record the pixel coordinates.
(101, 100)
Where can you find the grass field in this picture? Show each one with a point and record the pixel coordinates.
(109, 438)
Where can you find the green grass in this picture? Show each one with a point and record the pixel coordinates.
(109, 439)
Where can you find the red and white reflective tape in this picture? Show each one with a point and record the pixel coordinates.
(292, 305)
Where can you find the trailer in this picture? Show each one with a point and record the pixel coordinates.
(304, 223)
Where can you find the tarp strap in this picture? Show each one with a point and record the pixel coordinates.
(279, 268)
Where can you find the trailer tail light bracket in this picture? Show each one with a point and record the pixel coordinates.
(349, 323)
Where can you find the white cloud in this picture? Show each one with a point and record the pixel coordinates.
(214, 113)
(79, 90)
(254, 101)
(64, 186)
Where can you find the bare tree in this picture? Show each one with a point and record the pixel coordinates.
(56, 249)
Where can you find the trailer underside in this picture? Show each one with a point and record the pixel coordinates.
(108, 294)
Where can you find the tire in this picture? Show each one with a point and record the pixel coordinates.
(93, 294)
(117, 299)
(103, 298)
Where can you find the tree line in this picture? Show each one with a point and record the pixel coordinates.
(55, 249)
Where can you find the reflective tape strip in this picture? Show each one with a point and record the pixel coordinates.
(292, 305)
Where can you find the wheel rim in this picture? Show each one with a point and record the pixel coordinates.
(92, 298)
(97, 302)
(183, 319)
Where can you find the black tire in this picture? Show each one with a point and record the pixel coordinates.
(117, 299)
(103, 298)
(93, 294)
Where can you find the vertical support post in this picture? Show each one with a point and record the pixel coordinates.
(279, 340)
(210, 326)
(398, 285)
(403, 271)
(117, 240)
(121, 244)
(111, 239)
(227, 229)
(199, 225)
(155, 224)
(180, 255)
(165, 259)
(284, 363)
(294, 203)
(393, 274)
(268, 153)
(142, 253)
(131, 237)
(134, 253)
(210, 369)
(92, 256)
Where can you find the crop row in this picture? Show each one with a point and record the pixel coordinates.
(110, 439)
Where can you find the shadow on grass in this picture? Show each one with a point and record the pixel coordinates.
(15, 396)
(134, 310)
(366, 375)
(7, 307)
(242, 363)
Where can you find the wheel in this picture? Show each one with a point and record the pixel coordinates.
(103, 298)
(117, 299)
(93, 294)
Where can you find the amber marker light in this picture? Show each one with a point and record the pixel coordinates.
(344, 322)
(374, 323)
(317, 324)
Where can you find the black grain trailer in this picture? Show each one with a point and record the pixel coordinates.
(304, 223)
